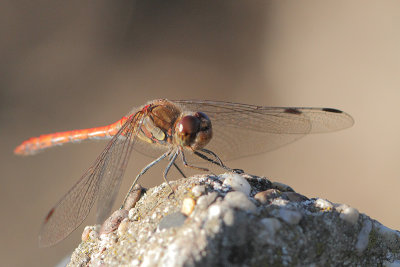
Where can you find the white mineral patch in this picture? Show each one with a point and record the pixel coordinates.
(107, 240)
(214, 211)
(135, 262)
(123, 227)
(206, 200)
(86, 232)
(151, 258)
(271, 225)
(202, 201)
(188, 205)
(217, 186)
(159, 188)
(198, 190)
(93, 235)
(280, 202)
(290, 216)
(363, 236)
(323, 204)
(229, 217)
(239, 200)
(236, 182)
(348, 214)
(132, 214)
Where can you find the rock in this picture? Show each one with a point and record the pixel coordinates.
(198, 190)
(237, 183)
(240, 201)
(231, 228)
(391, 264)
(270, 227)
(205, 201)
(133, 197)
(290, 216)
(389, 234)
(172, 220)
(188, 205)
(123, 227)
(363, 237)
(348, 214)
(294, 197)
(113, 221)
(282, 187)
(90, 232)
(323, 204)
(267, 195)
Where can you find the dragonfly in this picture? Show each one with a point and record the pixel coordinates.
(163, 129)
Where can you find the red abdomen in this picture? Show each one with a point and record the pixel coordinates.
(36, 144)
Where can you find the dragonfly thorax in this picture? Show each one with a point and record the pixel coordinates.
(193, 130)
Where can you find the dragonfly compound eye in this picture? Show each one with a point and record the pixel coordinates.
(193, 131)
(188, 126)
(204, 135)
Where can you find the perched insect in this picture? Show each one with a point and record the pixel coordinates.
(209, 130)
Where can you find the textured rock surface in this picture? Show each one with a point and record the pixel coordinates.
(231, 227)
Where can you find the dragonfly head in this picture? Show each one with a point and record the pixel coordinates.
(193, 131)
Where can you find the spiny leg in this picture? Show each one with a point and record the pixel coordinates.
(211, 160)
(197, 153)
(191, 166)
(143, 171)
(179, 170)
(218, 162)
(171, 161)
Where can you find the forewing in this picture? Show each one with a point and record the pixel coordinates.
(242, 130)
(117, 160)
(150, 150)
(75, 205)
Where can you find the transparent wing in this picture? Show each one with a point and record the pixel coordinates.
(150, 150)
(114, 168)
(241, 130)
(101, 180)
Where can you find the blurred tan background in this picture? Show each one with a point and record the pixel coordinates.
(67, 65)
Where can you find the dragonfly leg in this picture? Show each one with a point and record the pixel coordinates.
(189, 165)
(171, 161)
(179, 170)
(217, 160)
(220, 163)
(143, 171)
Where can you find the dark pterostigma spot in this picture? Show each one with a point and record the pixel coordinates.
(172, 220)
(292, 111)
(333, 110)
(49, 215)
